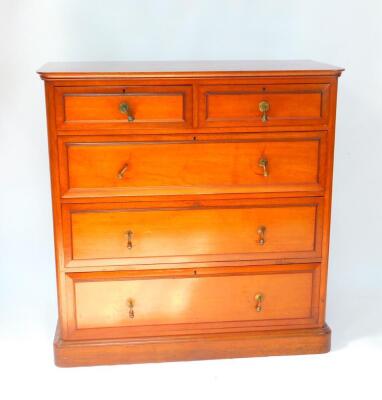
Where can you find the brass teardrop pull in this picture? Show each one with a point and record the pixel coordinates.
(259, 298)
(122, 171)
(130, 303)
(125, 109)
(263, 163)
(264, 108)
(129, 239)
(261, 232)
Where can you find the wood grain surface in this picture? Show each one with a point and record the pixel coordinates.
(173, 218)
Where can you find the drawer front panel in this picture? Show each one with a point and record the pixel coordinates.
(126, 107)
(263, 105)
(205, 167)
(117, 301)
(138, 236)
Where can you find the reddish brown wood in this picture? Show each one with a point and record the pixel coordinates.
(194, 196)
(238, 105)
(194, 166)
(191, 347)
(199, 301)
(180, 232)
(195, 69)
(98, 107)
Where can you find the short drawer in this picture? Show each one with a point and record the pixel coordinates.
(120, 304)
(263, 105)
(119, 234)
(121, 168)
(126, 107)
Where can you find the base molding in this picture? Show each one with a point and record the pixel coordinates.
(191, 347)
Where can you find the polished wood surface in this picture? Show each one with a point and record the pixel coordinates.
(74, 353)
(209, 68)
(193, 166)
(123, 304)
(238, 105)
(168, 301)
(292, 229)
(177, 208)
(99, 107)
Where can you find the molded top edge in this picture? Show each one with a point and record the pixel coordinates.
(146, 69)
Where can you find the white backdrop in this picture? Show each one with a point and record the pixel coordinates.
(347, 33)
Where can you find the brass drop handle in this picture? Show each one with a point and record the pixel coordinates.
(263, 163)
(122, 171)
(130, 303)
(129, 239)
(125, 109)
(264, 108)
(261, 232)
(259, 298)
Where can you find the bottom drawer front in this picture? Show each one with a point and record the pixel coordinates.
(129, 303)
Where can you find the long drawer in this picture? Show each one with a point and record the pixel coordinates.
(263, 105)
(128, 234)
(123, 304)
(118, 167)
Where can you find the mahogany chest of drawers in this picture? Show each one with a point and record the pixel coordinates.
(191, 207)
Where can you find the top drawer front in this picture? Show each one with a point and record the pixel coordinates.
(263, 105)
(126, 107)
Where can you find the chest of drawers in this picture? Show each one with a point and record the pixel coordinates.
(191, 206)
